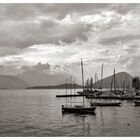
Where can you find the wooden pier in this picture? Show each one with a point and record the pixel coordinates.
(115, 97)
(71, 95)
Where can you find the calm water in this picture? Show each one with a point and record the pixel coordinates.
(38, 113)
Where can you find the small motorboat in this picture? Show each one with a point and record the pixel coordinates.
(78, 109)
(105, 103)
(137, 103)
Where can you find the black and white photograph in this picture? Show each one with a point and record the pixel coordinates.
(69, 69)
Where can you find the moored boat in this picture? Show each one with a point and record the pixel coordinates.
(137, 103)
(78, 109)
(83, 109)
(105, 103)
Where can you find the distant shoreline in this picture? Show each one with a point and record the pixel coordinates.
(49, 88)
(57, 87)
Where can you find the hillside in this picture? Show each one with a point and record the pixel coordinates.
(123, 79)
(34, 78)
(62, 86)
(11, 82)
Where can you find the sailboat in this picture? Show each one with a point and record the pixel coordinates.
(97, 88)
(82, 109)
(101, 103)
(105, 103)
(86, 90)
(137, 102)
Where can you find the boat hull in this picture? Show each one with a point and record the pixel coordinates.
(104, 104)
(137, 103)
(81, 110)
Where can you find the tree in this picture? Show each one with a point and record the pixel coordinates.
(136, 83)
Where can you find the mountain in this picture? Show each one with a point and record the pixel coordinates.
(41, 80)
(11, 82)
(123, 79)
(35, 78)
(62, 86)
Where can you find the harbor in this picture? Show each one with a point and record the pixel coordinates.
(70, 69)
(40, 115)
(95, 90)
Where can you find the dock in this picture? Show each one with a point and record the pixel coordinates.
(115, 97)
(70, 95)
(103, 97)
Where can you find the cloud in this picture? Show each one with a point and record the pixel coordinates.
(52, 38)
(117, 39)
(41, 67)
(24, 25)
(37, 67)
(134, 65)
(5, 51)
(124, 8)
(22, 34)
(26, 11)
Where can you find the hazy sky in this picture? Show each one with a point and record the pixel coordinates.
(52, 38)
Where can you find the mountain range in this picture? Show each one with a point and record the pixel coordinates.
(35, 78)
(39, 80)
(12, 82)
(61, 86)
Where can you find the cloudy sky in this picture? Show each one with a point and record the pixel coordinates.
(51, 38)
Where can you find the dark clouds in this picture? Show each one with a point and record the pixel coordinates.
(60, 34)
(25, 26)
(119, 38)
(25, 11)
(22, 26)
(124, 8)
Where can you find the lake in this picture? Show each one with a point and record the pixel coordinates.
(38, 113)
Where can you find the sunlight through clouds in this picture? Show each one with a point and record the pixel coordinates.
(59, 35)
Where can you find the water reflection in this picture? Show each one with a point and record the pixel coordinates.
(38, 113)
(81, 120)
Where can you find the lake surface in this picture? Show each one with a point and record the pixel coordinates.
(38, 113)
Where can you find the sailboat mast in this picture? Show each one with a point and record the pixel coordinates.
(66, 86)
(91, 83)
(126, 83)
(101, 76)
(82, 74)
(74, 87)
(111, 83)
(95, 82)
(114, 81)
(98, 83)
(66, 91)
(82, 79)
(70, 85)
